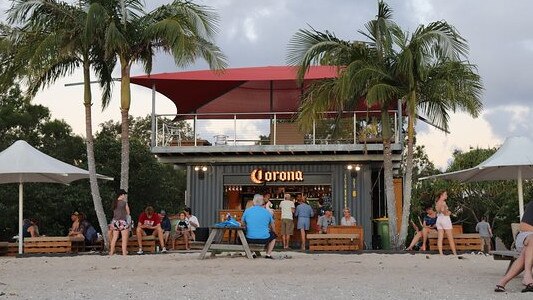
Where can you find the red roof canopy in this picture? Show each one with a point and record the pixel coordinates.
(238, 90)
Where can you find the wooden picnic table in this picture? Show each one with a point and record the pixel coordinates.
(214, 242)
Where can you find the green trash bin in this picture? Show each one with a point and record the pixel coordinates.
(383, 231)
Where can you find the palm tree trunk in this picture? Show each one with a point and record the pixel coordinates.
(125, 100)
(408, 182)
(89, 140)
(388, 177)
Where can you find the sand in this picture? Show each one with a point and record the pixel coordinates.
(311, 276)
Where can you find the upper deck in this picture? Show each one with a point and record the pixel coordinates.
(271, 137)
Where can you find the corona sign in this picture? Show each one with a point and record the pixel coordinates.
(259, 176)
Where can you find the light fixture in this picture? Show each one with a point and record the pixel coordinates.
(197, 168)
(353, 169)
(204, 168)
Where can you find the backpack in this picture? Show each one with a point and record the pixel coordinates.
(90, 235)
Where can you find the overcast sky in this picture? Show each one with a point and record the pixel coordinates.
(256, 33)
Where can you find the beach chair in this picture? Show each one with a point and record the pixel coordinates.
(510, 255)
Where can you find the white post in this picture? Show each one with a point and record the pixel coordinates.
(154, 128)
(21, 235)
(275, 129)
(314, 131)
(234, 129)
(354, 128)
(520, 194)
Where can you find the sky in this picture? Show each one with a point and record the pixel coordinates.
(256, 33)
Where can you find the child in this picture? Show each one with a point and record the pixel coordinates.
(183, 229)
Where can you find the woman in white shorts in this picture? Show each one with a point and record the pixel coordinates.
(444, 223)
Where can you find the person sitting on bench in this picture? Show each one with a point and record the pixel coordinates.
(430, 219)
(524, 244)
(259, 225)
(183, 230)
(149, 224)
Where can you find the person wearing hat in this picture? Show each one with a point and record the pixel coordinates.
(76, 229)
(120, 224)
(326, 220)
(165, 225)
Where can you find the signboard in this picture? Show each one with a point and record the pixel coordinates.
(259, 176)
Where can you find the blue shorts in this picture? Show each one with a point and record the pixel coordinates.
(303, 223)
(262, 241)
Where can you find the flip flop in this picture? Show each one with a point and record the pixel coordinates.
(528, 288)
(499, 289)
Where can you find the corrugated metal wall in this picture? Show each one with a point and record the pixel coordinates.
(206, 195)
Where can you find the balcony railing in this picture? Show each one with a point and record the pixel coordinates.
(278, 128)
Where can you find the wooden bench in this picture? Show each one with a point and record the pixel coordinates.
(463, 242)
(148, 244)
(333, 242)
(53, 244)
(510, 255)
(349, 229)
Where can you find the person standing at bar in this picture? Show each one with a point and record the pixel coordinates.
(304, 212)
(287, 223)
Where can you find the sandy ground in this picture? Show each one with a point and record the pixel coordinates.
(312, 276)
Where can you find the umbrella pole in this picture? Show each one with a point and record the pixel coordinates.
(21, 236)
(520, 194)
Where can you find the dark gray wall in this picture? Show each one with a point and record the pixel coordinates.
(205, 196)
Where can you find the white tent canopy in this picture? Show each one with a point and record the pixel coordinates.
(22, 163)
(513, 161)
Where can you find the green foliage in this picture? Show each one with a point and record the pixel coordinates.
(153, 184)
(495, 200)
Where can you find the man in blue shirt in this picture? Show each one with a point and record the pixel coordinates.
(259, 225)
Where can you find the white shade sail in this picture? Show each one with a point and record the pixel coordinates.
(513, 161)
(21, 163)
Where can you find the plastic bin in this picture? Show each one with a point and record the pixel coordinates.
(383, 232)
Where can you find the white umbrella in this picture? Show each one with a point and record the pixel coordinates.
(513, 161)
(22, 163)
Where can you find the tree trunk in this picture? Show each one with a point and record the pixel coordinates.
(388, 177)
(125, 100)
(89, 141)
(408, 180)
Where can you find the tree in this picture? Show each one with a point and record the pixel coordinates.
(51, 204)
(154, 183)
(423, 70)
(364, 69)
(52, 42)
(182, 28)
(436, 80)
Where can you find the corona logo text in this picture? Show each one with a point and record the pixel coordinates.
(261, 176)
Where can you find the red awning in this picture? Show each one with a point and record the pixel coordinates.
(239, 90)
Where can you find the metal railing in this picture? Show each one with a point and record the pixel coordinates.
(276, 128)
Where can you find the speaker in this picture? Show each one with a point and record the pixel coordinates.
(376, 242)
(201, 233)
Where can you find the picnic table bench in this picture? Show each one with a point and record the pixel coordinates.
(214, 243)
(53, 244)
(148, 244)
(333, 242)
(9, 249)
(463, 242)
(357, 229)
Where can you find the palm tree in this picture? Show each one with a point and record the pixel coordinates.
(431, 68)
(51, 43)
(364, 73)
(182, 28)
(425, 72)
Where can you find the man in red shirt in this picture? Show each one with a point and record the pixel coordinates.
(149, 224)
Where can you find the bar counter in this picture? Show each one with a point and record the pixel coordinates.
(296, 237)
